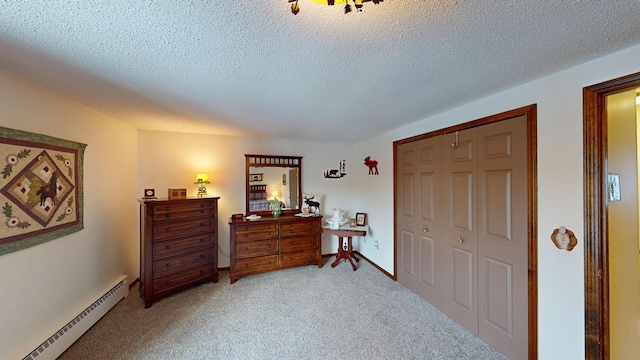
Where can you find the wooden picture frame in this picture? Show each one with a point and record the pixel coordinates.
(255, 177)
(361, 219)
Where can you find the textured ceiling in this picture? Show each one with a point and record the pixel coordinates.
(252, 68)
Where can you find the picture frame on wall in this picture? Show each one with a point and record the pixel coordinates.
(255, 177)
(361, 219)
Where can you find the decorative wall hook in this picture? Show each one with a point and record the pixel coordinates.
(457, 143)
(564, 239)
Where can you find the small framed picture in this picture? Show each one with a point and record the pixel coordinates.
(149, 194)
(255, 177)
(361, 219)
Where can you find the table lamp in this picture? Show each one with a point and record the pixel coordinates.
(201, 180)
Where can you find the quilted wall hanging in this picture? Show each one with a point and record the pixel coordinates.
(41, 192)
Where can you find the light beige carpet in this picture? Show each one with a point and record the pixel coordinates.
(303, 313)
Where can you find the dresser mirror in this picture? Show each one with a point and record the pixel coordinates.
(271, 177)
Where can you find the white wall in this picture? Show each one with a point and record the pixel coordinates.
(42, 285)
(171, 160)
(560, 188)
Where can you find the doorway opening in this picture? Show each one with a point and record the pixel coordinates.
(596, 242)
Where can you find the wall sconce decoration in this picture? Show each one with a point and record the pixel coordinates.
(564, 239)
(295, 8)
(372, 164)
(201, 180)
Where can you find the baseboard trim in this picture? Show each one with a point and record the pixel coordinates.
(134, 283)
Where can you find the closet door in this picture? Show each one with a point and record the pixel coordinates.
(502, 243)
(460, 231)
(419, 223)
(406, 215)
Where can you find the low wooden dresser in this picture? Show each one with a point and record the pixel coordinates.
(178, 245)
(270, 244)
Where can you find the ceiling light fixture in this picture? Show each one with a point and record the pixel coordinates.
(295, 8)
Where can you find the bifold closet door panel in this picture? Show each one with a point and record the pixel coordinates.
(419, 218)
(428, 228)
(503, 238)
(460, 231)
(406, 213)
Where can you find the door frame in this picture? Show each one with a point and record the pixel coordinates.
(596, 251)
(532, 198)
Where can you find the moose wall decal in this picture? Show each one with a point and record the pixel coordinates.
(372, 164)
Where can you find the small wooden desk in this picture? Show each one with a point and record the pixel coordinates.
(345, 251)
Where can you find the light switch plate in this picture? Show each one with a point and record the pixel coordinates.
(614, 187)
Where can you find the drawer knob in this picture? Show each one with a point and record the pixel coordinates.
(290, 231)
(268, 245)
(290, 259)
(268, 227)
(201, 211)
(309, 256)
(168, 229)
(201, 205)
(168, 208)
(168, 264)
(167, 247)
(168, 216)
(246, 228)
(167, 282)
(269, 262)
(246, 248)
(202, 240)
(202, 256)
(290, 243)
(201, 272)
(245, 235)
(202, 224)
(246, 265)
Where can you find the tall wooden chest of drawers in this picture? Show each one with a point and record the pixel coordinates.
(269, 244)
(178, 245)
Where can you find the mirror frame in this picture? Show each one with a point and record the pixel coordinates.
(281, 161)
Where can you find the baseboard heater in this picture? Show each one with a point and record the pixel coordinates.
(77, 325)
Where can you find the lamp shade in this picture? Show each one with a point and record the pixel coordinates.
(202, 178)
(275, 194)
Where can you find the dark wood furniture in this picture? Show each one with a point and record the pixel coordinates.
(270, 244)
(178, 245)
(345, 251)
